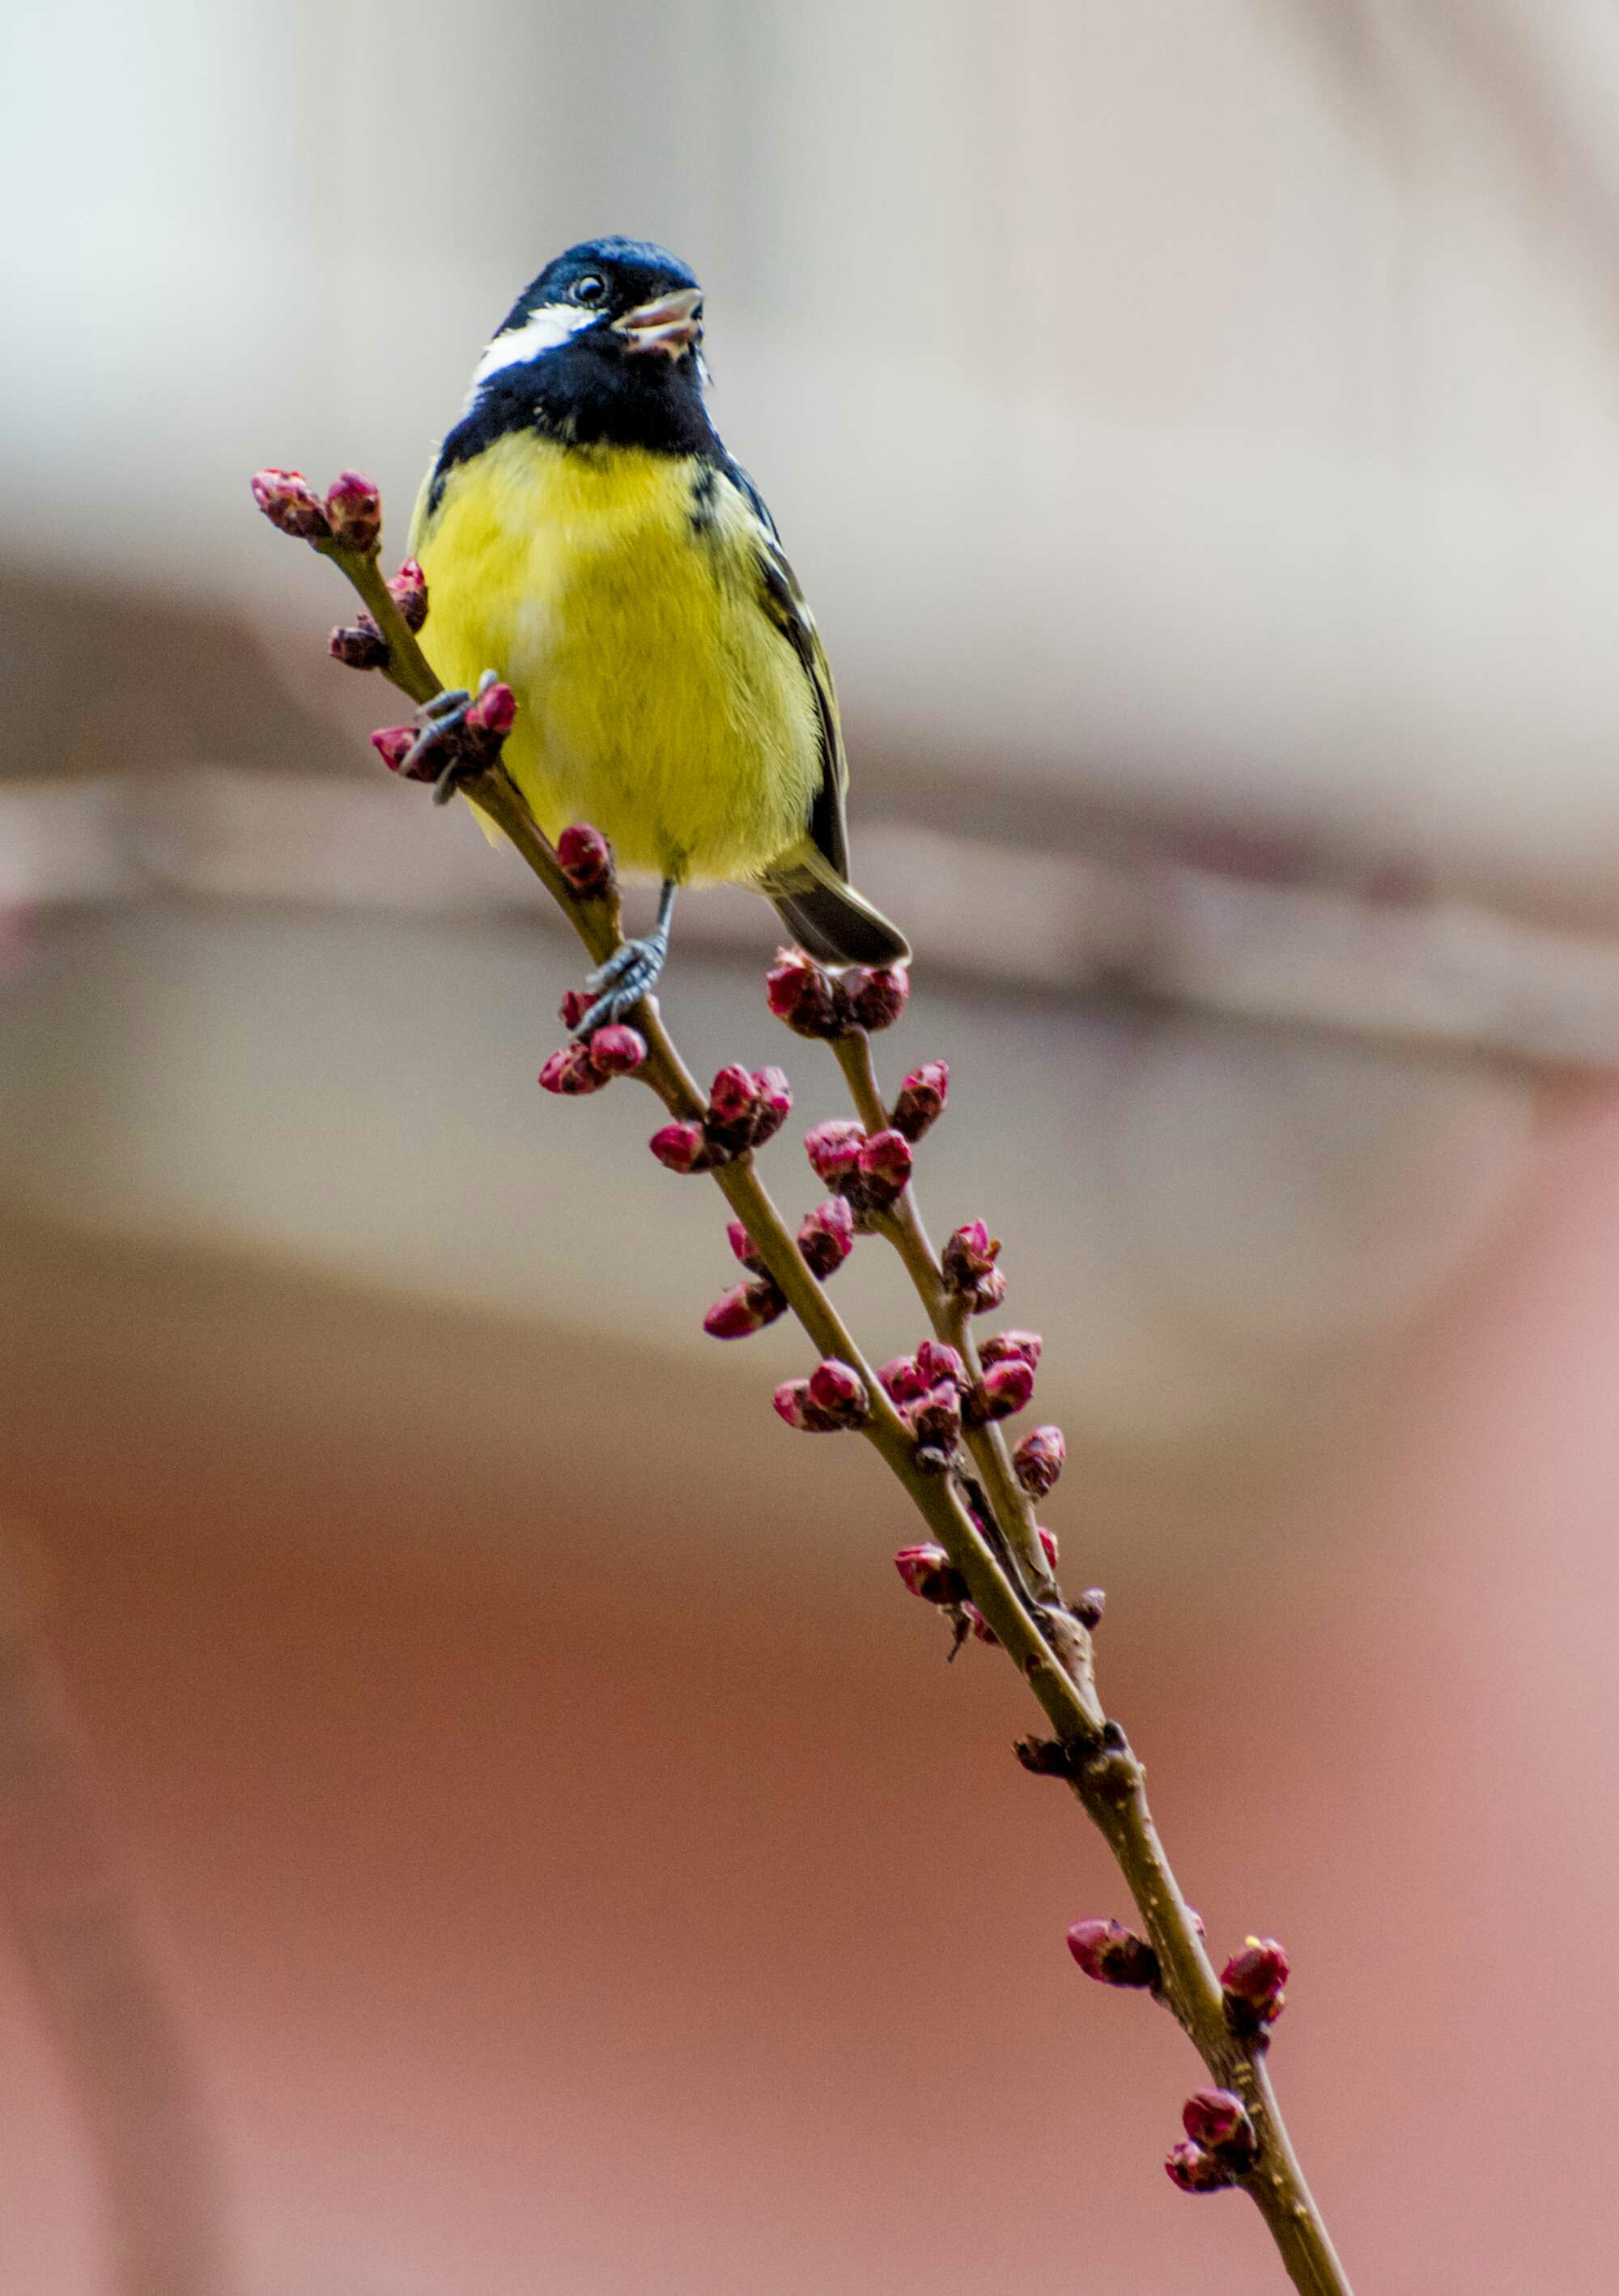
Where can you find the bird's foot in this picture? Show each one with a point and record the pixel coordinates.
(634, 968)
(439, 741)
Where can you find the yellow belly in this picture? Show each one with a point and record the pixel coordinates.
(656, 698)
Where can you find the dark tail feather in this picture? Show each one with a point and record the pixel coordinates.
(833, 923)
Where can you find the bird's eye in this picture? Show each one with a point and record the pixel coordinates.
(591, 289)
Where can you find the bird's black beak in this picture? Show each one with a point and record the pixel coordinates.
(671, 324)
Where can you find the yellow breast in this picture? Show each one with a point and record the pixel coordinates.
(656, 698)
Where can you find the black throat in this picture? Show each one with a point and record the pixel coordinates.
(590, 392)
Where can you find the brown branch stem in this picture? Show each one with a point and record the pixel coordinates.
(1049, 1646)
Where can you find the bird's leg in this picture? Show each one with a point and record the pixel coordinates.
(633, 969)
(439, 723)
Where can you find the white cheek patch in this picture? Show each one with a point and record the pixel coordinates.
(544, 329)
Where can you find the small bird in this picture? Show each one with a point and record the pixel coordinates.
(585, 532)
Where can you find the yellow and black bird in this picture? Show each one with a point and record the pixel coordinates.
(584, 533)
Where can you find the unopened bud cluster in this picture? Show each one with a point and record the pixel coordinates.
(588, 1064)
(832, 1398)
(869, 1170)
(815, 1003)
(361, 645)
(471, 741)
(968, 1263)
(1219, 2145)
(746, 1108)
(927, 1389)
(350, 516)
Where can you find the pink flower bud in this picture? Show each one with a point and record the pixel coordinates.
(928, 1572)
(393, 745)
(408, 590)
(1004, 1347)
(938, 1365)
(883, 1163)
(800, 993)
(292, 505)
(354, 511)
(840, 1392)
(903, 1378)
(576, 1004)
(1252, 1981)
(747, 1308)
(487, 722)
(1005, 1387)
(742, 1244)
(572, 1071)
(585, 860)
(982, 1630)
(1112, 1955)
(987, 1294)
(359, 645)
(1088, 1609)
(969, 1256)
(875, 997)
(617, 1050)
(792, 1402)
(934, 1419)
(731, 1096)
(1216, 2119)
(682, 1148)
(833, 1148)
(1193, 2170)
(1048, 1543)
(772, 1103)
(827, 1236)
(1039, 1460)
(921, 1099)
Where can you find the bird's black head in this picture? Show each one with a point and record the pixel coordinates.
(602, 349)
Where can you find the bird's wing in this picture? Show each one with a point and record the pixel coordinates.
(785, 603)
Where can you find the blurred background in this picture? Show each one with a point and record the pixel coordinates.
(478, 1813)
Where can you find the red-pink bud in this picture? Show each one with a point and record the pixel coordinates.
(682, 1148)
(921, 1099)
(1252, 1981)
(576, 1004)
(359, 645)
(571, 1072)
(393, 745)
(840, 1392)
(617, 1050)
(1039, 1459)
(1005, 1387)
(772, 1103)
(903, 1378)
(489, 720)
(1193, 2170)
(354, 511)
(876, 995)
(1048, 1543)
(747, 1308)
(292, 505)
(742, 1244)
(883, 1163)
(800, 993)
(934, 1419)
(928, 1572)
(1112, 1955)
(408, 590)
(987, 1294)
(1088, 1609)
(939, 1365)
(1217, 2120)
(791, 1402)
(982, 1630)
(969, 1256)
(731, 1098)
(1003, 1347)
(833, 1148)
(827, 1236)
(585, 860)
